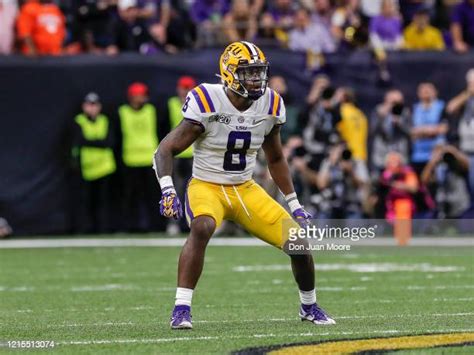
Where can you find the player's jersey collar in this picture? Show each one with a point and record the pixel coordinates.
(248, 110)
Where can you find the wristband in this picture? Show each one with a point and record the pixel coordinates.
(292, 201)
(166, 184)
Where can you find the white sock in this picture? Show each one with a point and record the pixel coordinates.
(308, 297)
(183, 296)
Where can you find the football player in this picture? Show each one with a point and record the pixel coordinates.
(228, 123)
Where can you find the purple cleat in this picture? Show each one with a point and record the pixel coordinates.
(314, 314)
(181, 317)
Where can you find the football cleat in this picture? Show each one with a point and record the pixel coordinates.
(181, 317)
(314, 314)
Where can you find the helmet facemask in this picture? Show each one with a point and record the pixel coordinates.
(253, 80)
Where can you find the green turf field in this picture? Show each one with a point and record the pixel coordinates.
(118, 300)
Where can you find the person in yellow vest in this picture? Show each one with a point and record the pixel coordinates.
(139, 132)
(93, 144)
(183, 162)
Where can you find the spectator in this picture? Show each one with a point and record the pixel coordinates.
(207, 15)
(93, 142)
(322, 13)
(419, 35)
(386, 29)
(462, 106)
(428, 128)
(340, 182)
(308, 36)
(371, 8)
(240, 23)
(41, 28)
(409, 8)
(462, 26)
(283, 12)
(353, 126)
(278, 83)
(181, 30)
(5, 229)
(399, 183)
(8, 10)
(390, 130)
(139, 126)
(131, 28)
(280, 17)
(160, 25)
(445, 173)
(320, 118)
(184, 161)
(442, 14)
(348, 26)
(92, 27)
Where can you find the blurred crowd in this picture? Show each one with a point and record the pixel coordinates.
(55, 27)
(399, 161)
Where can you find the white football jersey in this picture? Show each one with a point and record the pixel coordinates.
(226, 151)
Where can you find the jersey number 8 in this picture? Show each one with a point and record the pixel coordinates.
(229, 165)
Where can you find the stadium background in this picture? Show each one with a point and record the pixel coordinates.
(42, 90)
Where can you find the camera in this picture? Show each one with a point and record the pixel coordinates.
(300, 151)
(397, 109)
(450, 160)
(328, 93)
(346, 155)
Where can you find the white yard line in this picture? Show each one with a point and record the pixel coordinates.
(133, 288)
(151, 308)
(268, 335)
(176, 242)
(355, 267)
(222, 321)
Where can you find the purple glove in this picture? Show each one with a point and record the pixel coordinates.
(302, 217)
(170, 206)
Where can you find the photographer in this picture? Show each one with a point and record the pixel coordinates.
(462, 108)
(446, 173)
(398, 184)
(321, 117)
(340, 182)
(390, 131)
